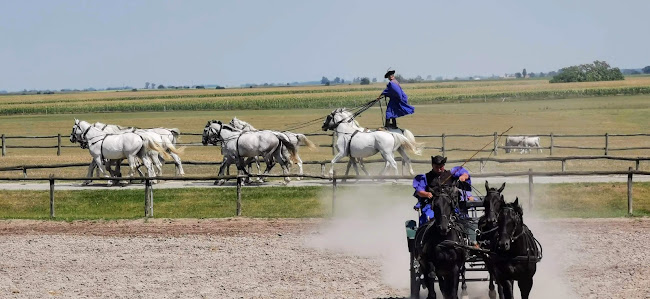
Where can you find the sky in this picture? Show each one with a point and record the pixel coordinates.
(79, 44)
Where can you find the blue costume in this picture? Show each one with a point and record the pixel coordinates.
(420, 183)
(398, 105)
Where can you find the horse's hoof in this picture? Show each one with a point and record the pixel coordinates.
(463, 294)
(492, 294)
(85, 183)
(219, 182)
(298, 179)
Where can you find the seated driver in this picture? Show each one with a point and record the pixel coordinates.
(424, 182)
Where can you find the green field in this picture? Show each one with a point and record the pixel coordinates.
(555, 200)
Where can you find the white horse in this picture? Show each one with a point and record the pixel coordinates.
(237, 145)
(514, 141)
(356, 142)
(296, 139)
(103, 146)
(523, 142)
(167, 138)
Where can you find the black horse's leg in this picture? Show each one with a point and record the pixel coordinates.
(492, 293)
(429, 281)
(525, 285)
(505, 289)
(463, 293)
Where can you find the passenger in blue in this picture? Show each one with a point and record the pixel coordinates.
(423, 183)
(398, 105)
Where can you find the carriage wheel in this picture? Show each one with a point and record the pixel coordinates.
(415, 278)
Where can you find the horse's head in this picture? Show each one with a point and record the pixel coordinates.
(492, 202)
(212, 132)
(510, 221)
(77, 135)
(337, 117)
(236, 123)
(443, 205)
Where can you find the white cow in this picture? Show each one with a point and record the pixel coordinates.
(514, 141)
(531, 141)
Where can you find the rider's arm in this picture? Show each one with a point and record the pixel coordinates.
(420, 185)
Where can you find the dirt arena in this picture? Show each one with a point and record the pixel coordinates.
(289, 258)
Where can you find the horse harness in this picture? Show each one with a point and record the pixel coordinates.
(101, 145)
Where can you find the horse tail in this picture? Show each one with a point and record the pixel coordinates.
(175, 134)
(302, 140)
(170, 147)
(401, 140)
(151, 144)
(293, 154)
(411, 138)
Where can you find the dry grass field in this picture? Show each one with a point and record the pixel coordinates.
(596, 115)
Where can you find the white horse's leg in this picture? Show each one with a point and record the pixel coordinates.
(283, 164)
(225, 167)
(390, 162)
(299, 167)
(406, 159)
(336, 158)
(177, 162)
(91, 169)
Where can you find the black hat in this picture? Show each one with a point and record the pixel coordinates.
(389, 73)
(438, 160)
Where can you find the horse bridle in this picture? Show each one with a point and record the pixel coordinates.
(83, 143)
(217, 133)
(518, 221)
(330, 117)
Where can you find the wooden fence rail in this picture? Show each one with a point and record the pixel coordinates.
(335, 180)
(443, 149)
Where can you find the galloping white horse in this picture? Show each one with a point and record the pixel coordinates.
(296, 139)
(237, 145)
(103, 146)
(166, 138)
(356, 142)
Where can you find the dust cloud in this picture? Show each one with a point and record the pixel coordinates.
(369, 222)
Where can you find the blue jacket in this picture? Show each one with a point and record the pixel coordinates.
(398, 104)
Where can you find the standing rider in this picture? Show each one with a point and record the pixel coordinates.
(398, 105)
(424, 183)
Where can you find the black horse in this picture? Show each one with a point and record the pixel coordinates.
(435, 249)
(487, 226)
(515, 251)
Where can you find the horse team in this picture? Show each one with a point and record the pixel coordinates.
(508, 248)
(241, 144)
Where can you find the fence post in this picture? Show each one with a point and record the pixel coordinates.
(637, 162)
(333, 195)
(51, 197)
(494, 150)
(482, 163)
(24, 172)
(239, 182)
(322, 169)
(629, 192)
(530, 189)
(551, 149)
(443, 145)
(4, 146)
(58, 144)
(606, 143)
(563, 165)
(147, 190)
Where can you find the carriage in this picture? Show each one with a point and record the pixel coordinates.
(474, 263)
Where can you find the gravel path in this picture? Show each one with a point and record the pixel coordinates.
(291, 258)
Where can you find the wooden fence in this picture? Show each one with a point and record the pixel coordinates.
(444, 139)
(335, 181)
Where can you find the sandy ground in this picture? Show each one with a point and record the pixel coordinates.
(289, 258)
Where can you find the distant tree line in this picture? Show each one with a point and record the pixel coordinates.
(597, 71)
